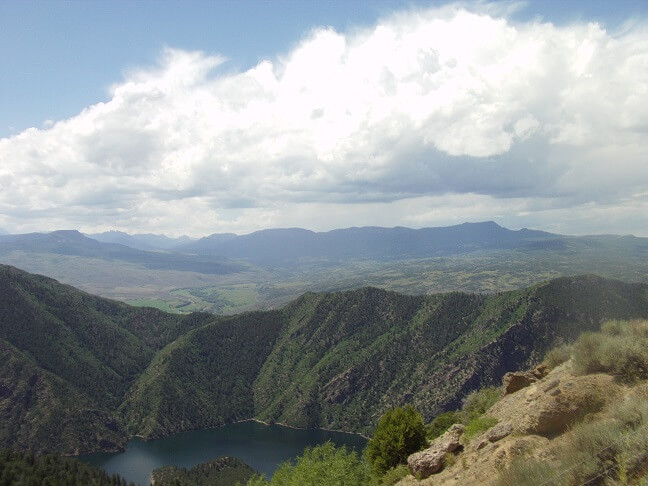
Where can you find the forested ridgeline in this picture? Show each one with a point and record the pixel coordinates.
(80, 373)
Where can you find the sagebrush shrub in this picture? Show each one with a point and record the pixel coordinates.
(620, 349)
(477, 402)
(558, 355)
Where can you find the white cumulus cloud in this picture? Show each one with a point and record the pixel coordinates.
(454, 109)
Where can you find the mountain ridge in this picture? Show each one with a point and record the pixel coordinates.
(265, 271)
(140, 241)
(334, 360)
(282, 244)
(74, 243)
(68, 359)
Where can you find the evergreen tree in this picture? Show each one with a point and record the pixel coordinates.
(400, 432)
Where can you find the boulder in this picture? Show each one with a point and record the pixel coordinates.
(495, 433)
(517, 380)
(499, 431)
(429, 461)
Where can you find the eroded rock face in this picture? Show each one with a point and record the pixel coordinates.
(429, 461)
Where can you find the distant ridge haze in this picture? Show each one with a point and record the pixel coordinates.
(73, 243)
(227, 273)
(370, 242)
(288, 245)
(147, 241)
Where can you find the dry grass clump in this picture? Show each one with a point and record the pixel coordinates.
(530, 472)
(558, 355)
(621, 349)
(610, 451)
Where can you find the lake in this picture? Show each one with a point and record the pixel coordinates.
(263, 447)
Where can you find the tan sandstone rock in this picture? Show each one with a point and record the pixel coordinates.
(429, 461)
(551, 405)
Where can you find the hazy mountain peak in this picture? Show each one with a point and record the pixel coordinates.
(71, 234)
(141, 241)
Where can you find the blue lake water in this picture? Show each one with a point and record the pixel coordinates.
(263, 447)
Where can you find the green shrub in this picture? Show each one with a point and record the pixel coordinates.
(399, 433)
(324, 464)
(394, 475)
(441, 423)
(478, 425)
(257, 480)
(477, 402)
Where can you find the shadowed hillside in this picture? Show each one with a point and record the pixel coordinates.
(68, 358)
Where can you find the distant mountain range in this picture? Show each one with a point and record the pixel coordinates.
(285, 246)
(147, 241)
(81, 373)
(291, 246)
(228, 273)
(73, 243)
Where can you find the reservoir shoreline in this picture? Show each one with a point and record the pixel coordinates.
(258, 421)
(261, 445)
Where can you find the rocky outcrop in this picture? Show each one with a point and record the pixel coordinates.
(530, 420)
(429, 461)
(516, 380)
(548, 407)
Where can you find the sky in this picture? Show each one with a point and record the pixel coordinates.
(233, 116)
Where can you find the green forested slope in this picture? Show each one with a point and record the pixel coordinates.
(339, 360)
(222, 471)
(204, 378)
(68, 358)
(79, 373)
(42, 412)
(25, 469)
(432, 355)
